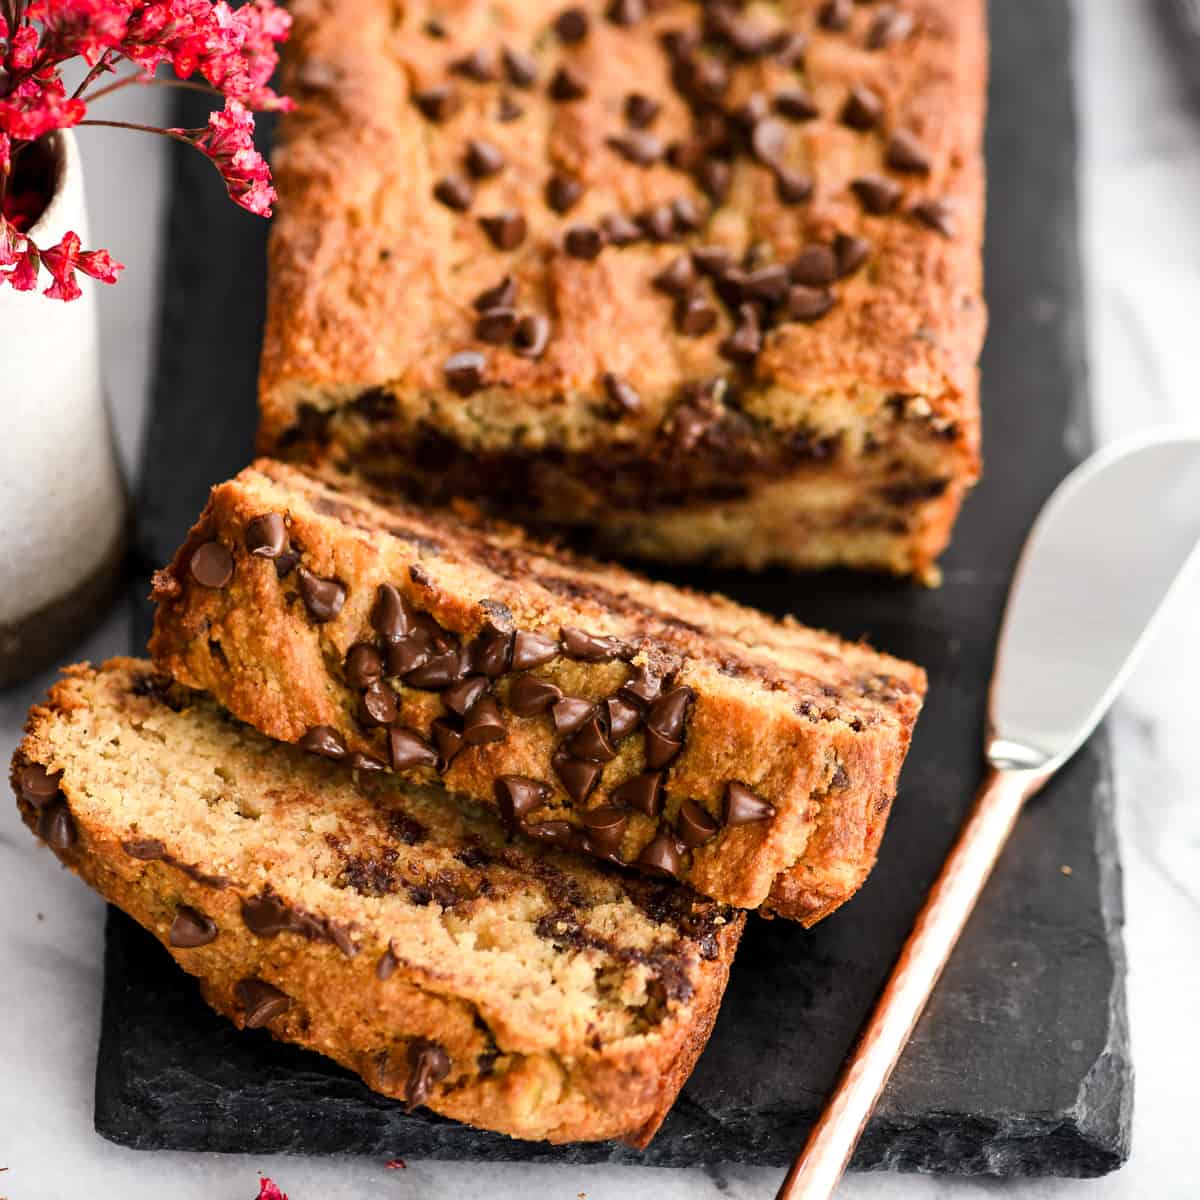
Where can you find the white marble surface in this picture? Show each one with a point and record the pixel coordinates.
(1140, 182)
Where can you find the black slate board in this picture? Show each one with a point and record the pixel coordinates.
(1021, 1064)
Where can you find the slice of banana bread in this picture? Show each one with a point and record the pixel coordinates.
(694, 281)
(684, 734)
(400, 933)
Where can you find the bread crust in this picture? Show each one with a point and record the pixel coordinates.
(815, 727)
(528, 1083)
(372, 281)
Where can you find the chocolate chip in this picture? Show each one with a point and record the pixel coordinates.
(694, 315)
(862, 109)
(408, 653)
(591, 742)
(769, 140)
(663, 855)
(484, 158)
(638, 146)
(621, 396)
(454, 192)
(793, 186)
(715, 179)
(508, 110)
(743, 807)
(521, 68)
(434, 28)
(492, 652)
(323, 740)
(506, 230)
(429, 1064)
(687, 155)
(623, 717)
(56, 826)
(589, 647)
(448, 740)
(464, 371)
(876, 193)
(769, 284)
(571, 25)
(577, 777)
(191, 928)
(814, 266)
(438, 103)
(796, 104)
(357, 761)
(563, 192)
(496, 325)
(379, 704)
(660, 750)
(756, 107)
(788, 48)
(626, 12)
(145, 849)
(38, 786)
(606, 827)
(619, 230)
(712, 260)
(679, 43)
(745, 342)
(322, 597)
(266, 536)
(658, 223)
(502, 295)
(439, 671)
(694, 824)
(518, 794)
(407, 749)
(529, 695)
(386, 967)
(937, 214)
(677, 278)
(687, 215)
(667, 714)
(568, 83)
(556, 833)
(583, 241)
(532, 650)
(905, 153)
(211, 565)
(851, 252)
(808, 303)
(641, 110)
(480, 65)
(391, 614)
(642, 687)
(643, 792)
(262, 1002)
(835, 14)
(570, 713)
(483, 723)
(531, 335)
(890, 25)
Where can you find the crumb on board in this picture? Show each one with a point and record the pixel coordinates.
(1065, 869)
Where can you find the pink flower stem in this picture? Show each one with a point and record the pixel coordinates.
(171, 133)
(182, 84)
(102, 66)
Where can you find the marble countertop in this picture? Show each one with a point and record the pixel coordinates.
(1140, 181)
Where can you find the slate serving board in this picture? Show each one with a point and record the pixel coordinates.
(1021, 1064)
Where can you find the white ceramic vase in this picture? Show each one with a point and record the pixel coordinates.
(63, 503)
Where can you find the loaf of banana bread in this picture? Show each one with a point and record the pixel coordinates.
(511, 986)
(691, 281)
(638, 722)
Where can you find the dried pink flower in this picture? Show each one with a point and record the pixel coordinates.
(229, 142)
(269, 1190)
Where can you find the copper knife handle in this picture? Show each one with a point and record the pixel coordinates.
(820, 1165)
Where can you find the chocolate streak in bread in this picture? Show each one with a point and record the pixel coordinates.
(648, 726)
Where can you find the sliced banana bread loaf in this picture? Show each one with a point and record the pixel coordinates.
(752, 758)
(510, 986)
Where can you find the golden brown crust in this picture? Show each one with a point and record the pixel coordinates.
(372, 281)
(510, 1071)
(815, 727)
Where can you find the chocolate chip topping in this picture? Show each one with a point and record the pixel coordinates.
(502, 295)
(407, 748)
(638, 146)
(623, 399)
(38, 786)
(556, 833)
(325, 741)
(851, 252)
(905, 153)
(712, 260)
(589, 647)
(619, 230)
(591, 742)
(448, 740)
(407, 654)
(814, 266)
(191, 928)
(464, 371)
(743, 807)
(745, 342)
(694, 824)
(261, 1002)
(438, 103)
(890, 25)
(322, 597)
(938, 215)
(521, 68)
(807, 303)
(863, 108)
(571, 25)
(641, 110)
(56, 826)
(795, 103)
(379, 704)
(606, 827)
(506, 230)
(583, 241)
(768, 140)
(211, 565)
(429, 1064)
(667, 714)
(391, 614)
(496, 325)
(876, 193)
(454, 191)
(694, 315)
(145, 849)
(386, 967)
(658, 223)
(767, 283)
(480, 65)
(568, 83)
(789, 47)
(484, 723)
(660, 750)
(492, 652)
(677, 278)
(626, 12)
(642, 687)
(793, 186)
(439, 671)
(563, 192)
(570, 713)
(484, 158)
(643, 792)
(357, 761)
(663, 855)
(464, 695)
(715, 178)
(835, 15)
(529, 695)
(518, 794)
(532, 650)
(266, 536)
(623, 717)
(577, 776)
